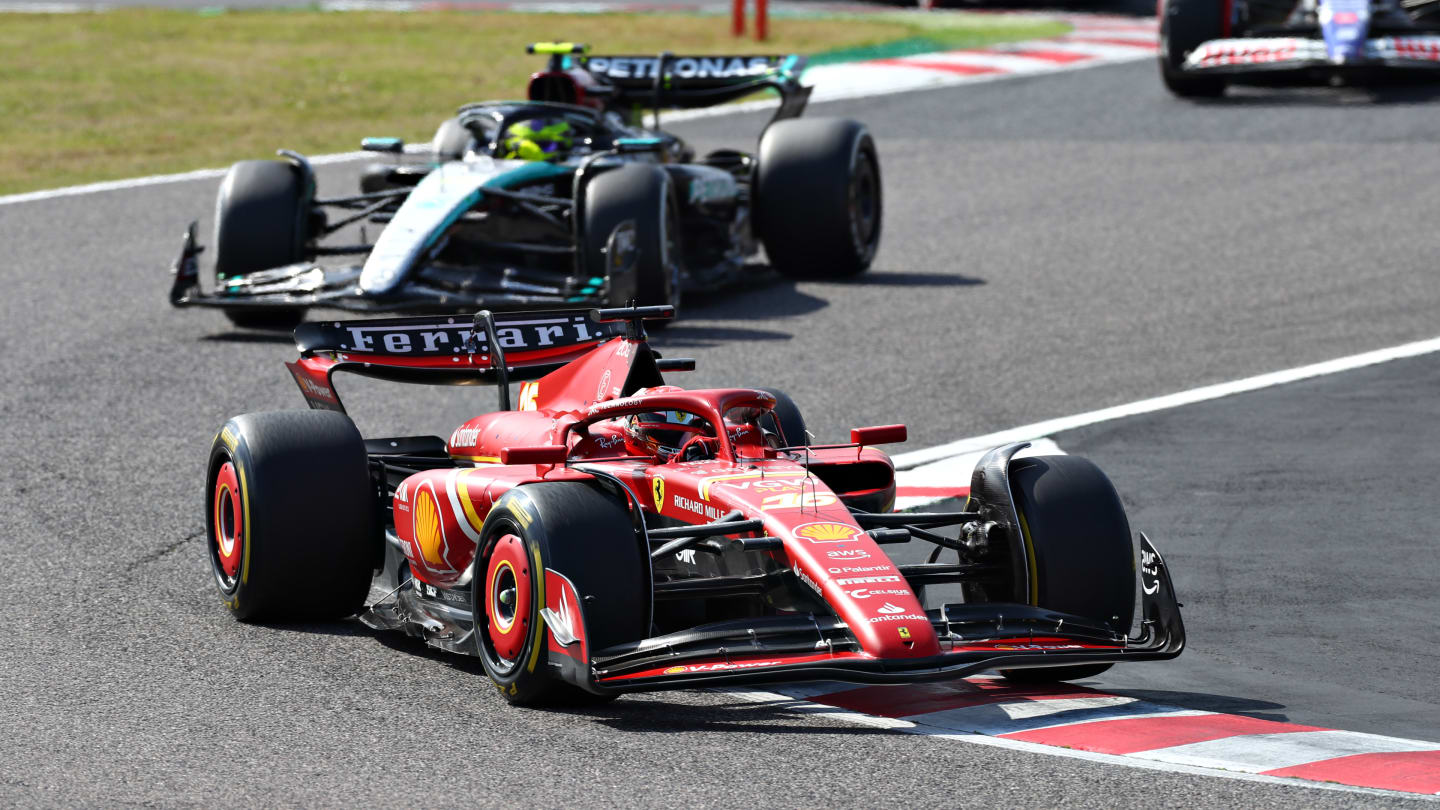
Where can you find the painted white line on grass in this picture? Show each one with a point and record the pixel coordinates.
(1194, 395)
(840, 82)
(153, 180)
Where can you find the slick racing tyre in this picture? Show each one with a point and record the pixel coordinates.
(1184, 26)
(1084, 563)
(573, 530)
(632, 236)
(818, 200)
(262, 217)
(785, 420)
(292, 527)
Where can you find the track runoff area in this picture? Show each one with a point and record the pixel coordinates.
(1061, 719)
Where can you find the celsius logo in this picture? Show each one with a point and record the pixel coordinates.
(889, 609)
(866, 593)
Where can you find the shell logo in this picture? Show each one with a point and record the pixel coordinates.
(827, 532)
(676, 670)
(428, 535)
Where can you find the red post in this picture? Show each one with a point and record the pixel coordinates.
(737, 17)
(762, 19)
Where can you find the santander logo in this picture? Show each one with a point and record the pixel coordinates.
(889, 609)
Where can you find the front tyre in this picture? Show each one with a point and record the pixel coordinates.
(1184, 26)
(818, 198)
(1083, 562)
(262, 216)
(574, 530)
(632, 236)
(292, 531)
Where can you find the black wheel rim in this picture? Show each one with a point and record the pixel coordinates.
(864, 203)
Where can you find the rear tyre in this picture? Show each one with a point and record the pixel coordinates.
(1184, 26)
(632, 218)
(818, 200)
(1084, 563)
(262, 215)
(292, 529)
(574, 529)
(785, 420)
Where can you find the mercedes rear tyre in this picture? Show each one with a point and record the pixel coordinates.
(292, 525)
(785, 420)
(632, 237)
(1083, 560)
(1184, 26)
(535, 535)
(818, 200)
(262, 217)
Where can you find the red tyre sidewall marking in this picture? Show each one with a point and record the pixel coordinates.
(229, 549)
(509, 560)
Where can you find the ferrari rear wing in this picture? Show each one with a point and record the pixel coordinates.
(490, 349)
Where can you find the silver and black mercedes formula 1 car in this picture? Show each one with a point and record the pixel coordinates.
(1206, 45)
(564, 198)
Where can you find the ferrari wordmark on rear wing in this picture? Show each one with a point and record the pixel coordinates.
(493, 349)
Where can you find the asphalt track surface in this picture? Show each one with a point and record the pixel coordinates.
(1053, 245)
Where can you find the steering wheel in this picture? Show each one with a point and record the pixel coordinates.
(697, 448)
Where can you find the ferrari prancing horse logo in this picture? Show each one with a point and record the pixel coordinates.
(657, 488)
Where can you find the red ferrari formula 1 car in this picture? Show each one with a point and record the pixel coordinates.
(613, 533)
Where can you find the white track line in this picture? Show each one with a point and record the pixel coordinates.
(1194, 395)
(895, 724)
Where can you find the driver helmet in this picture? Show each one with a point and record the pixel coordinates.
(660, 433)
(538, 139)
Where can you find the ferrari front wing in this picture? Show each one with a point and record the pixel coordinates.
(974, 638)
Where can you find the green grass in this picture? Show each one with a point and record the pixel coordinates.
(129, 92)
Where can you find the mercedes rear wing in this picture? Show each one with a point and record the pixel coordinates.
(667, 80)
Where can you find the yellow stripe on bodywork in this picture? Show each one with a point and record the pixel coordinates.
(476, 522)
(1030, 556)
(537, 575)
(245, 506)
(477, 459)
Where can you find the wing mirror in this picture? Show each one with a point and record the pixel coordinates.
(539, 454)
(392, 145)
(878, 434)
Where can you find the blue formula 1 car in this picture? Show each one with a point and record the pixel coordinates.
(564, 198)
(1206, 45)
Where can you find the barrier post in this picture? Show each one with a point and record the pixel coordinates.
(737, 17)
(762, 20)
